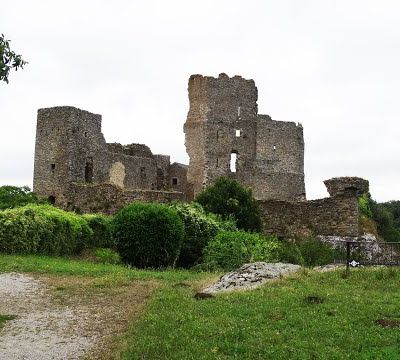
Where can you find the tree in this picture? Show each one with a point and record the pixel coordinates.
(230, 199)
(13, 196)
(8, 59)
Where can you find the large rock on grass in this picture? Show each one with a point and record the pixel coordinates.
(250, 276)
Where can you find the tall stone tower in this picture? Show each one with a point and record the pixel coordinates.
(225, 136)
(69, 148)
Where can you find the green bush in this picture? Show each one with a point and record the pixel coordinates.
(101, 227)
(13, 196)
(230, 199)
(308, 252)
(290, 253)
(148, 235)
(42, 229)
(364, 205)
(231, 249)
(107, 256)
(200, 228)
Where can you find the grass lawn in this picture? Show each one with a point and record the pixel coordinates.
(306, 316)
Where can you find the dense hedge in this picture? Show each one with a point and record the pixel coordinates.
(148, 234)
(43, 229)
(231, 249)
(101, 227)
(200, 228)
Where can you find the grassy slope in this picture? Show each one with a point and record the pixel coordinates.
(274, 322)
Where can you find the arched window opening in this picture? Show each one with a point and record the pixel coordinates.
(52, 199)
(233, 162)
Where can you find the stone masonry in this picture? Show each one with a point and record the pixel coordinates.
(224, 136)
(71, 152)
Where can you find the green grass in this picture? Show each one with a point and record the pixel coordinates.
(307, 316)
(276, 321)
(4, 318)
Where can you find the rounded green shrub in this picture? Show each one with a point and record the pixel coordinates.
(101, 227)
(230, 199)
(148, 234)
(200, 228)
(231, 249)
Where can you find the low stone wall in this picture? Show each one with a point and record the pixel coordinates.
(330, 216)
(108, 199)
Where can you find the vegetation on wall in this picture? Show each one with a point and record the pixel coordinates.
(229, 198)
(381, 219)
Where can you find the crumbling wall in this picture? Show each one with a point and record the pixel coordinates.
(330, 216)
(177, 177)
(108, 199)
(223, 125)
(70, 148)
(337, 215)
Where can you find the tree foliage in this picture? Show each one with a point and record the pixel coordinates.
(230, 199)
(14, 196)
(8, 59)
(386, 216)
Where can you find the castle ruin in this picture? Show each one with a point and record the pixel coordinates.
(224, 136)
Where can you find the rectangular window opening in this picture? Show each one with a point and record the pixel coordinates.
(238, 132)
(174, 181)
(233, 162)
(53, 168)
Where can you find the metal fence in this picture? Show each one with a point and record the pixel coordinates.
(362, 253)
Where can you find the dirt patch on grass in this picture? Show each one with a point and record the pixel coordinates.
(67, 317)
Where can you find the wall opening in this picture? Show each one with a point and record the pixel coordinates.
(52, 199)
(89, 170)
(174, 181)
(274, 147)
(217, 134)
(217, 163)
(233, 161)
(53, 168)
(143, 173)
(238, 132)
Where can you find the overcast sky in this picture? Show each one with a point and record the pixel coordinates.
(333, 66)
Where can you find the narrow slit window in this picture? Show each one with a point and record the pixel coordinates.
(89, 171)
(238, 132)
(53, 168)
(233, 162)
(217, 134)
(217, 163)
(274, 147)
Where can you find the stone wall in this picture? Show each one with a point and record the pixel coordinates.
(223, 125)
(108, 199)
(330, 216)
(70, 148)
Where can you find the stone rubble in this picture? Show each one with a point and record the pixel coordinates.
(250, 276)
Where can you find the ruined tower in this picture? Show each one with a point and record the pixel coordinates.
(69, 147)
(225, 136)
